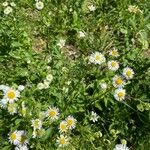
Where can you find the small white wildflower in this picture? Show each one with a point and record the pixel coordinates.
(91, 8)
(128, 73)
(61, 43)
(14, 138)
(113, 65)
(5, 4)
(8, 10)
(52, 113)
(40, 86)
(63, 126)
(114, 53)
(71, 122)
(36, 124)
(134, 9)
(23, 137)
(46, 84)
(39, 5)
(49, 78)
(94, 117)
(120, 94)
(65, 89)
(103, 85)
(121, 147)
(62, 141)
(12, 4)
(21, 87)
(82, 34)
(118, 81)
(11, 95)
(97, 58)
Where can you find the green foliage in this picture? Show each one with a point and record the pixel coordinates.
(30, 50)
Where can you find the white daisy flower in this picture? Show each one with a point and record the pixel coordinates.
(14, 138)
(61, 43)
(118, 81)
(121, 147)
(52, 113)
(94, 117)
(65, 89)
(82, 34)
(63, 126)
(113, 65)
(46, 84)
(8, 10)
(71, 122)
(120, 94)
(12, 4)
(36, 124)
(11, 95)
(62, 141)
(97, 58)
(103, 86)
(5, 4)
(91, 8)
(49, 78)
(40, 86)
(114, 53)
(128, 73)
(21, 87)
(21, 147)
(39, 5)
(12, 108)
(23, 139)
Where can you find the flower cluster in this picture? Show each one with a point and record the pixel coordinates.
(134, 9)
(8, 7)
(46, 82)
(19, 139)
(118, 81)
(65, 125)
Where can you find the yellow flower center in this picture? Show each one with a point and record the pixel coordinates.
(13, 136)
(128, 73)
(113, 64)
(98, 57)
(70, 122)
(62, 141)
(120, 94)
(36, 124)
(118, 81)
(63, 126)
(114, 53)
(11, 94)
(52, 113)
